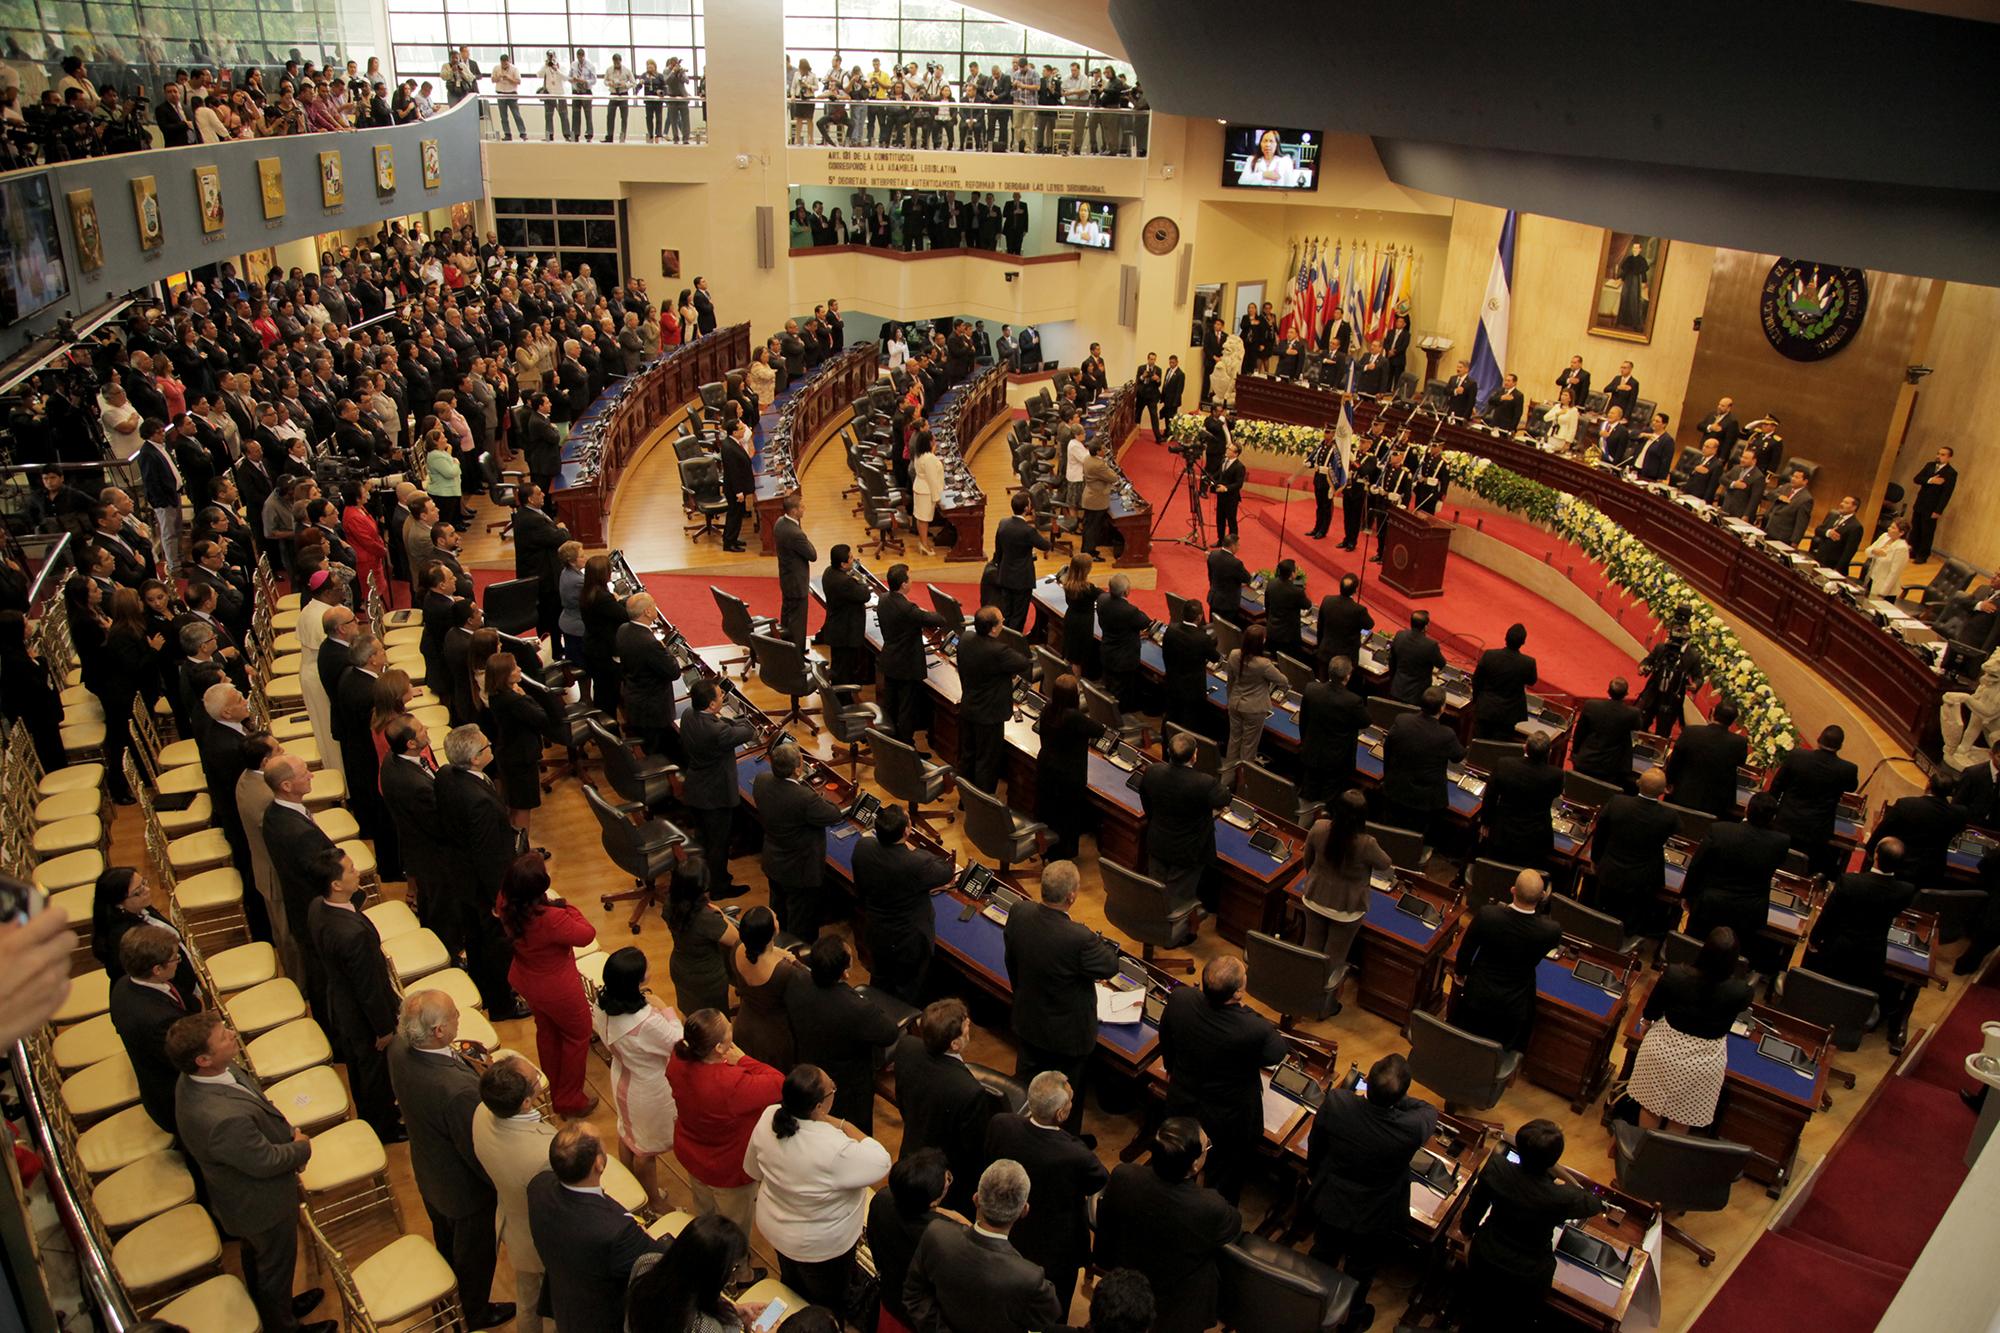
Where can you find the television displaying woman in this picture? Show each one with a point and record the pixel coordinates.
(1085, 229)
(1269, 166)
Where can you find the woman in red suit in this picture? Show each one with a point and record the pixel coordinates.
(544, 933)
(371, 553)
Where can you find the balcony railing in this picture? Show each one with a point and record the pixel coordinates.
(968, 127)
(600, 118)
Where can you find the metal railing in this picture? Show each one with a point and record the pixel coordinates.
(598, 118)
(968, 127)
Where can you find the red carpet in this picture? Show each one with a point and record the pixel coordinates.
(1784, 1283)
(1473, 614)
(1943, 1061)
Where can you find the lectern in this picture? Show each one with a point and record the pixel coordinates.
(1414, 546)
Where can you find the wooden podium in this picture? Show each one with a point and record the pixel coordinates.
(1414, 546)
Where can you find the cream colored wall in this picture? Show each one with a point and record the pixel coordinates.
(923, 289)
(1555, 281)
(1957, 405)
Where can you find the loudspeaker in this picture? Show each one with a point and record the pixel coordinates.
(1187, 272)
(766, 231)
(1128, 296)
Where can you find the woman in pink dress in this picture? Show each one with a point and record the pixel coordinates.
(371, 553)
(640, 1030)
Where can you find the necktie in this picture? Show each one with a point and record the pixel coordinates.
(179, 999)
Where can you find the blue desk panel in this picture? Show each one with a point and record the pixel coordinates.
(1746, 1061)
(1559, 983)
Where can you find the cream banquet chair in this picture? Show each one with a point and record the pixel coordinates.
(89, 995)
(150, 1186)
(97, 1091)
(178, 754)
(230, 970)
(166, 1254)
(219, 1305)
(346, 1184)
(406, 1284)
(414, 955)
(86, 1044)
(391, 917)
(313, 1101)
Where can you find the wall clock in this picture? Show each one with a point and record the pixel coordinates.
(1162, 235)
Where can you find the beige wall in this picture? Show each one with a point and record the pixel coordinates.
(1555, 282)
(1957, 405)
(952, 285)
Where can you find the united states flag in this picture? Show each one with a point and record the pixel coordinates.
(1299, 320)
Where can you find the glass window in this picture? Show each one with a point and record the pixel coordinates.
(529, 27)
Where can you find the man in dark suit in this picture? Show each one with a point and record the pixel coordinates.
(1838, 536)
(1576, 379)
(439, 1091)
(1015, 542)
(894, 882)
(587, 1242)
(409, 789)
(709, 786)
(739, 488)
(1180, 801)
(1358, 1161)
(1343, 622)
(844, 629)
(1701, 769)
(249, 1157)
(1123, 625)
(1153, 1217)
(1186, 649)
(648, 673)
(1504, 408)
(1809, 785)
(1500, 684)
(1743, 488)
(1146, 386)
(1067, 1173)
(1495, 969)
(1416, 758)
(294, 840)
(1396, 350)
(1703, 480)
(1925, 824)
(796, 555)
(1173, 387)
(537, 541)
(1722, 425)
(1791, 511)
(1601, 746)
(988, 666)
(795, 818)
(1227, 576)
(1055, 964)
(902, 659)
(1935, 482)
(145, 1003)
(359, 992)
(1414, 660)
(353, 713)
(1214, 1046)
(971, 1279)
(220, 744)
(541, 441)
(1461, 393)
(1331, 720)
(1616, 441)
(943, 1106)
(1372, 377)
(1516, 813)
(1229, 479)
(1628, 852)
(1655, 459)
(1623, 390)
(1285, 604)
(1729, 877)
(1850, 940)
(483, 843)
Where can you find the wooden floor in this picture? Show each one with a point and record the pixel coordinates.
(582, 872)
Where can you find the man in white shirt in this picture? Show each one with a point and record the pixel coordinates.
(582, 78)
(120, 418)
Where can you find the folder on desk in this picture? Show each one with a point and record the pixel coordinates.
(1116, 1005)
(1281, 1114)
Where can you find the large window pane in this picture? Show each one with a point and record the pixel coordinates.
(997, 38)
(872, 34)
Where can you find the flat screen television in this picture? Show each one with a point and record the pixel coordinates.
(1089, 224)
(32, 275)
(1266, 157)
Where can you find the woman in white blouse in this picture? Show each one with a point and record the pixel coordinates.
(926, 489)
(1885, 560)
(1269, 166)
(899, 348)
(816, 1171)
(762, 379)
(1563, 415)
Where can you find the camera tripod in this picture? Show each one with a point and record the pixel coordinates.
(1197, 529)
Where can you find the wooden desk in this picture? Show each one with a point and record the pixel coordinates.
(803, 423)
(1401, 957)
(1576, 1024)
(979, 404)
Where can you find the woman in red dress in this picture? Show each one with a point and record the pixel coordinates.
(371, 553)
(545, 933)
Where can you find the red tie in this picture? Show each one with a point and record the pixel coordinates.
(175, 991)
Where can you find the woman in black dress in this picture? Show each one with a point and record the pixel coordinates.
(522, 728)
(1062, 769)
(762, 973)
(1079, 637)
(603, 613)
(167, 662)
(131, 671)
(28, 691)
(121, 900)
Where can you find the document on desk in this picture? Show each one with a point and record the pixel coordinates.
(1281, 1114)
(1121, 1006)
(1426, 1203)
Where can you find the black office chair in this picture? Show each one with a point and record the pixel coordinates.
(1266, 790)
(997, 832)
(1228, 638)
(1174, 604)
(1467, 1071)
(1298, 674)
(1589, 924)
(1138, 906)
(647, 852)
(1404, 846)
(1295, 981)
(1679, 1173)
(510, 606)
(1048, 665)
(1383, 711)
(784, 668)
(1846, 1012)
(1484, 754)
(948, 606)
(1489, 881)
(1207, 755)
(1009, 1092)
(701, 494)
(1588, 791)
(1269, 1286)
(848, 718)
(905, 775)
(712, 396)
(740, 627)
(1679, 947)
(1695, 824)
(1956, 910)
(647, 782)
(1101, 708)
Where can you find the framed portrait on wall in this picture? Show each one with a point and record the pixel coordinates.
(1210, 300)
(208, 198)
(257, 264)
(385, 169)
(670, 263)
(271, 186)
(462, 215)
(146, 204)
(433, 165)
(89, 234)
(332, 184)
(1628, 286)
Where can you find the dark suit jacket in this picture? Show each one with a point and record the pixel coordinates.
(483, 842)
(1500, 686)
(1730, 872)
(1414, 659)
(411, 795)
(987, 668)
(1226, 576)
(943, 1106)
(1701, 768)
(1171, 1232)
(1186, 651)
(293, 840)
(1851, 938)
(1929, 499)
(1054, 963)
(1809, 785)
(838, 1029)
(1926, 825)
(438, 1094)
(1331, 720)
(1978, 794)
(1066, 1172)
(1122, 623)
(1180, 802)
(1628, 848)
(795, 818)
(894, 885)
(903, 623)
(1285, 605)
(796, 555)
(962, 1281)
(244, 1147)
(1415, 756)
(353, 705)
(1789, 518)
(846, 623)
(1742, 503)
(1655, 459)
(1358, 1157)
(359, 995)
(647, 677)
(1517, 810)
(1836, 540)
(142, 1016)
(1704, 478)
(1343, 623)
(1213, 1055)
(1602, 744)
(1496, 968)
(709, 781)
(588, 1245)
(1015, 542)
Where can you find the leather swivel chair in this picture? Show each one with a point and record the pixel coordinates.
(1470, 1073)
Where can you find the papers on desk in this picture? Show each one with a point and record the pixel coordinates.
(1281, 1114)
(1426, 1203)
(1116, 1005)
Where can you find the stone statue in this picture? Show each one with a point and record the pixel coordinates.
(1222, 380)
(1966, 720)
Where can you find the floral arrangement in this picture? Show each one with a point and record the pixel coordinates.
(1627, 562)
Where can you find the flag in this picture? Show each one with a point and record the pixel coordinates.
(1355, 314)
(1343, 434)
(1382, 311)
(1489, 347)
(1405, 281)
(1288, 321)
(1298, 318)
(1329, 295)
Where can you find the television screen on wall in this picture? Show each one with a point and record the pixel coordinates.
(1088, 223)
(1266, 157)
(32, 275)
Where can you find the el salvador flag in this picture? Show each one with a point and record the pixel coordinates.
(1489, 348)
